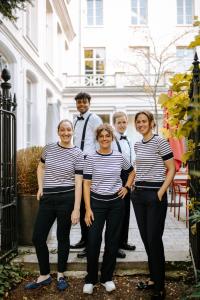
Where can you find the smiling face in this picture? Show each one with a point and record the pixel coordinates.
(82, 105)
(105, 139)
(121, 124)
(143, 125)
(65, 133)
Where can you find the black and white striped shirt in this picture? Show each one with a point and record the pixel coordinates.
(104, 170)
(150, 157)
(61, 165)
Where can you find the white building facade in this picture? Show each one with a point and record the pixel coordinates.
(124, 48)
(34, 50)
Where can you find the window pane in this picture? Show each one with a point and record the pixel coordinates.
(100, 53)
(88, 53)
(100, 67)
(99, 12)
(88, 67)
(90, 12)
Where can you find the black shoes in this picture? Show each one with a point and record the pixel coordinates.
(158, 295)
(145, 285)
(128, 247)
(80, 244)
(82, 254)
(121, 254)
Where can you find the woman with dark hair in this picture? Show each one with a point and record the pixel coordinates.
(155, 170)
(103, 196)
(59, 176)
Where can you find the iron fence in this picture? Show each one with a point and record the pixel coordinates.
(8, 190)
(194, 163)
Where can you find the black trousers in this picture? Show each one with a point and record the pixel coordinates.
(125, 221)
(84, 228)
(111, 213)
(150, 214)
(53, 206)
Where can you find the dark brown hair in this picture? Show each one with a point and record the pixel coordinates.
(106, 127)
(148, 114)
(63, 121)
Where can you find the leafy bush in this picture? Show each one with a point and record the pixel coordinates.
(10, 276)
(27, 162)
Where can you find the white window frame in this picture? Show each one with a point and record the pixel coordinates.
(94, 15)
(184, 61)
(184, 16)
(138, 15)
(94, 78)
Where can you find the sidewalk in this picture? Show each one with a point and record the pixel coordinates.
(176, 244)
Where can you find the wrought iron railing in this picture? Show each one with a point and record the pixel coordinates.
(194, 163)
(8, 191)
(118, 80)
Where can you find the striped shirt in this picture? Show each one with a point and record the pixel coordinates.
(90, 144)
(104, 170)
(61, 165)
(150, 157)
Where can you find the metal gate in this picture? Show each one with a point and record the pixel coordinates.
(194, 164)
(8, 188)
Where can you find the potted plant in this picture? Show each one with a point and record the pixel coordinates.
(27, 162)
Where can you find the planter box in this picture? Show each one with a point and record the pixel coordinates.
(27, 212)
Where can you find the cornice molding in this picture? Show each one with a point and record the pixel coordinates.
(62, 12)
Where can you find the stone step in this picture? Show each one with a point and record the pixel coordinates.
(134, 263)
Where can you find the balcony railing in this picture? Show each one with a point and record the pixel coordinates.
(118, 80)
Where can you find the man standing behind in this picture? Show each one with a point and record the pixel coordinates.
(123, 145)
(84, 137)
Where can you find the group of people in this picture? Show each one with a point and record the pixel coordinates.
(92, 179)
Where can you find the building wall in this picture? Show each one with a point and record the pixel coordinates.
(117, 36)
(34, 49)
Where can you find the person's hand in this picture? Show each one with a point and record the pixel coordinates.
(160, 195)
(123, 192)
(75, 216)
(39, 194)
(89, 217)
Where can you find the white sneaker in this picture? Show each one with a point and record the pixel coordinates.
(109, 286)
(88, 288)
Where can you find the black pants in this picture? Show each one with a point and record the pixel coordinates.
(150, 215)
(53, 206)
(109, 212)
(125, 221)
(84, 228)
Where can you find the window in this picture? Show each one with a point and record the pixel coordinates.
(28, 113)
(94, 12)
(31, 25)
(184, 11)
(3, 63)
(139, 11)
(184, 58)
(49, 34)
(94, 66)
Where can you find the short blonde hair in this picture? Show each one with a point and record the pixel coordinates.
(118, 114)
(106, 127)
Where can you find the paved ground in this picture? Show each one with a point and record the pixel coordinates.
(176, 243)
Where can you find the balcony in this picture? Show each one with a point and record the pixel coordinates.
(118, 80)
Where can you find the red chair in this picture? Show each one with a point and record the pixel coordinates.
(180, 189)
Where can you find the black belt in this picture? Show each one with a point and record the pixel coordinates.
(146, 188)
